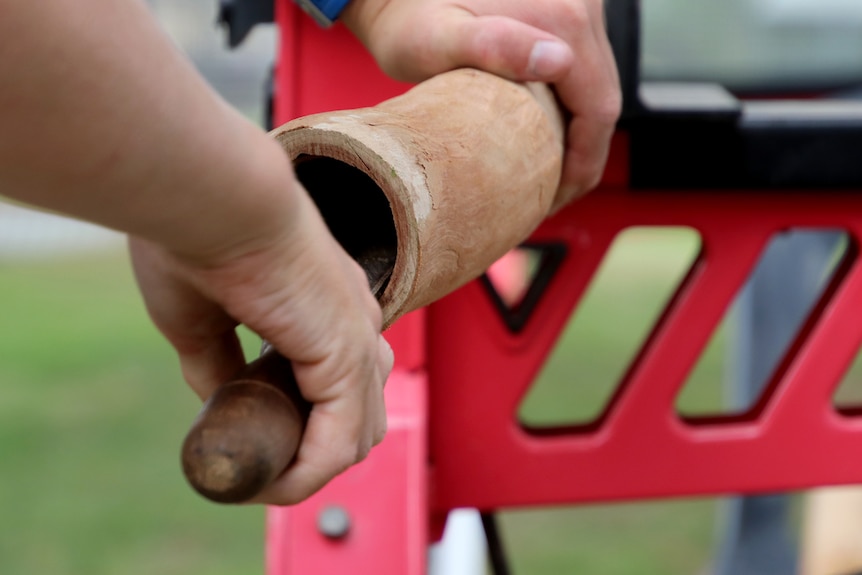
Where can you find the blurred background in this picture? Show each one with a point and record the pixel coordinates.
(93, 410)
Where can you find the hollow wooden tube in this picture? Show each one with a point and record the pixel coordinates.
(425, 191)
(468, 162)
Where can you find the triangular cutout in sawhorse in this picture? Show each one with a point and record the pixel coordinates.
(517, 282)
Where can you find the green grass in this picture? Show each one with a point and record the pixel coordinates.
(92, 414)
(627, 296)
(648, 538)
(659, 538)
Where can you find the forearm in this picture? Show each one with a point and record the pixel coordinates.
(102, 118)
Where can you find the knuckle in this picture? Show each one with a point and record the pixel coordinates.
(359, 349)
(408, 54)
(362, 451)
(389, 51)
(574, 15)
(592, 175)
(385, 362)
(370, 353)
(594, 179)
(380, 434)
(609, 108)
(375, 312)
(343, 462)
(484, 44)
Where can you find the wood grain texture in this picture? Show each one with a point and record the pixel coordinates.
(469, 163)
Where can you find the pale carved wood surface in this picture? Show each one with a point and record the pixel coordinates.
(470, 164)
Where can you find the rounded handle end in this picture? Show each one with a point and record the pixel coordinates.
(246, 435)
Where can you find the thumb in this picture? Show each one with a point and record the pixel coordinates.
(504, 47)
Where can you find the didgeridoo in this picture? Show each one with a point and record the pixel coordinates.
(425, 191)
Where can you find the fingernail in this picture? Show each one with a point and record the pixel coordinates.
(548, 58)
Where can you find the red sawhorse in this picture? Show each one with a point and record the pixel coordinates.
(463, 365)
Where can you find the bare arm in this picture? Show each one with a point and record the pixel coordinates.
(103, 119)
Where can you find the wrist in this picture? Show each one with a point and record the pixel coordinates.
(250, 212)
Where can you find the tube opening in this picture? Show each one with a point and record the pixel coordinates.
(357, 212)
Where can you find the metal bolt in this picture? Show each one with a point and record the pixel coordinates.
(333, 522)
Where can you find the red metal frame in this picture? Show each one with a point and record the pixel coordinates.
(385, 498)
(477, 371)
(641, 447)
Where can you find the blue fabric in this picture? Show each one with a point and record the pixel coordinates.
(330, 8)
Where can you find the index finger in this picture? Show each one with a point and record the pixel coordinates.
(591, 93)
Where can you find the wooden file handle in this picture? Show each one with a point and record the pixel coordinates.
(425, 191)
(247, 432)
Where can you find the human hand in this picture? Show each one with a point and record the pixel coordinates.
(302, 293)
(561, 42)
(230, 234)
